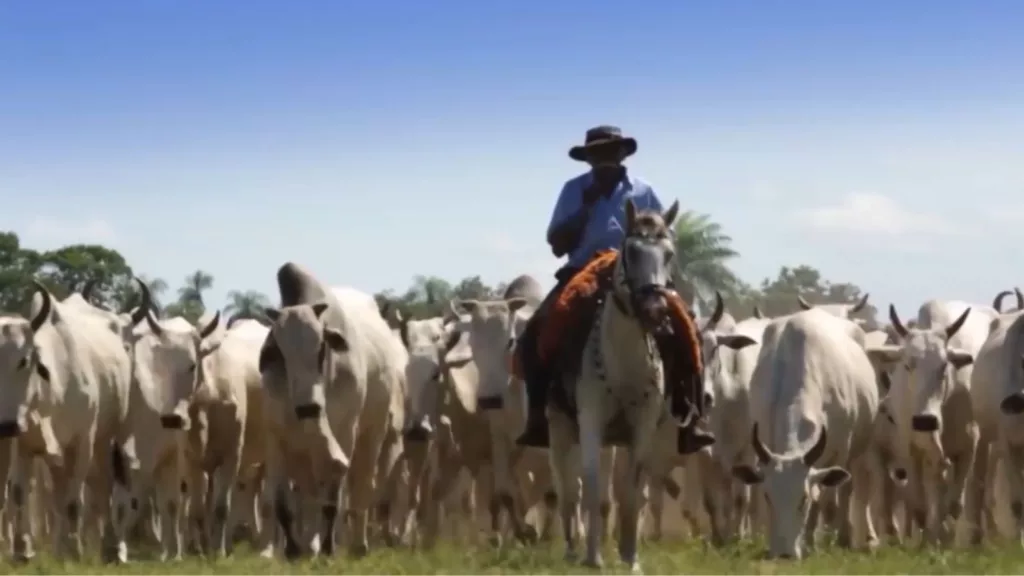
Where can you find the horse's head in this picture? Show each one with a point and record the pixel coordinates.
(646, 262)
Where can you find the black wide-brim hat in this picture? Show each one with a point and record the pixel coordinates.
(600, 137)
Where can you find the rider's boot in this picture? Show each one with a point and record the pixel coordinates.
(535, 433)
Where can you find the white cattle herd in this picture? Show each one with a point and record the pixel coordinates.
(338, 422)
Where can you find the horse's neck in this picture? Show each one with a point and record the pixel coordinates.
(625, 345)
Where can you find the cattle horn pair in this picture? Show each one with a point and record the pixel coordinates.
(902, 331)
(997, 303)
(813, 454)
(856, 307)
(143, 311)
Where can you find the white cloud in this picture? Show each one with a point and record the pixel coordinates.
(868, 213)
(48, 233)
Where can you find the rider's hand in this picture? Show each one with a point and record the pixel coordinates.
(592, 194)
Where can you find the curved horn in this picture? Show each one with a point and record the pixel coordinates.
(719, 311)
(142, 311)
(861, 303)
(1020, 298)
(757, 312)
(803, 303)
(87, 289)
(231, 322)
(812, 455)
(898, 326)
(44, 312)
(997, 302)
(953, 328)
(211, 326)
(764, 455)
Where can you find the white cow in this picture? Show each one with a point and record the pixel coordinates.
(997, 397)
(65, 399)
(727, 374)
(335, 376)
(428, 342)
(813, 398)
(931, 407)
(489, 410)
(168, 363)
(221, 451)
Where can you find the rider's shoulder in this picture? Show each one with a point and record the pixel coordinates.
(639, 185)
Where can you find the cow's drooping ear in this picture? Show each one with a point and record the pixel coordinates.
(335, 340)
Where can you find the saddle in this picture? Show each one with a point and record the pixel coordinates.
(564, 333)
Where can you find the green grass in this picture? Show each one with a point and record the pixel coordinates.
(667, 558)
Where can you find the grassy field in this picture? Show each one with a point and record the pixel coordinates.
(667, 558)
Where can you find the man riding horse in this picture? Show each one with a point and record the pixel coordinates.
(588, 221)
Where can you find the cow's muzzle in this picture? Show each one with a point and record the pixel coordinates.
(419, 432)
(10, 429)
(173, 422)
(925, 423)
(308, 411)
(490, 402)
(1013, 404)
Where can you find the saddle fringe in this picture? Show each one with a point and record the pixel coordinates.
(686, 329)
(566, 311)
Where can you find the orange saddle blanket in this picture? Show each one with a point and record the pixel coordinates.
(571, 315)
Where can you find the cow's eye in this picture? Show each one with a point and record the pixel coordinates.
(23, 364)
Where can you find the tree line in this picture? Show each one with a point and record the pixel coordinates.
(703, 250)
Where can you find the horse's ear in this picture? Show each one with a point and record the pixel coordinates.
(630, 214)
(670, 215)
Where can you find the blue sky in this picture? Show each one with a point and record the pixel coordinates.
(371, 141)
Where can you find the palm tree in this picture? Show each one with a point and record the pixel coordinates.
(195, 284)
(248, 304)
(702, 250)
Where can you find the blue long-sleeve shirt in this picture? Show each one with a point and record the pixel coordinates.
(606, 227)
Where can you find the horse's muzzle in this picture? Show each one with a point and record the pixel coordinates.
(652, 308)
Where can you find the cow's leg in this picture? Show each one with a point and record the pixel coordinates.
(277, 517)
(71, 497)
(844, 536)
(867, 480)
(390, 472)
(171, 492)
(740, 495)
(445, 468)
(359, 481)
(223, 480)
(564, 459)
(21, 483)
(977, 489)
(197, 523)
(506, 494)
(959, 469)
(929, 501)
